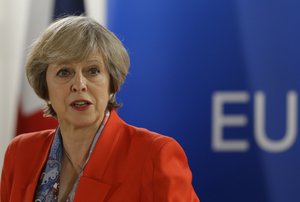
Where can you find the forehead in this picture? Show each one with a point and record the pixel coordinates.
(93, 57)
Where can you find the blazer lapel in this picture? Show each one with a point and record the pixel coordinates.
(29, 193)
(92, 185)
(38, 167)
(91, 190)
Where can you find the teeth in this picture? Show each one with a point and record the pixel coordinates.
(79, 104)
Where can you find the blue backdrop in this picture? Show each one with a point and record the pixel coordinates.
(204, 72)
(221, 77)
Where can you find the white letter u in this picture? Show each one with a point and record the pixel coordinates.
(259, 124)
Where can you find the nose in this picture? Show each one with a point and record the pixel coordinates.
(79, 83)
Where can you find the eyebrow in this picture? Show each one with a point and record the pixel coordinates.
(86, 61)
(94, 60)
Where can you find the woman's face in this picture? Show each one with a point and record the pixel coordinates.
(79, 92)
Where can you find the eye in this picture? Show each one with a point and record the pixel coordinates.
(93, 71)
(64, 72)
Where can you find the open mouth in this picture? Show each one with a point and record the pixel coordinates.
(81, 103)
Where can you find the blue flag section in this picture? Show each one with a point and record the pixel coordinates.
(221, 77)
(68, 7)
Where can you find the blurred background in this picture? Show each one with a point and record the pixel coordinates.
(221, 77)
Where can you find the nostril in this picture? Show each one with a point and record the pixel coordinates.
(78, 87)
(73, 88)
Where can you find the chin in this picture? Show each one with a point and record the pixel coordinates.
(85, 122)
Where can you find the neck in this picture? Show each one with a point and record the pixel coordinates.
(77, 142)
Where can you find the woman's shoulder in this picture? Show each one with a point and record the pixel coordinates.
(37, 135)
(139, 137)
(24, 147)
(147, 137)
(32, 138)
(138, 133)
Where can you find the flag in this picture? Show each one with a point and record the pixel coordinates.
(30, 114)
(22, 22)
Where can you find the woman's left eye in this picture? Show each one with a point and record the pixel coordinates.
(94, 71)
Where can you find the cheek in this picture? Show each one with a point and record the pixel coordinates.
(102, 95)
(52, 91)
(104, 88)
(49, 85)
(56, 94)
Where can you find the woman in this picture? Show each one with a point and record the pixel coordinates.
(77, 67)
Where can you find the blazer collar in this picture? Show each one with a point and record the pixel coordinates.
(103, 150)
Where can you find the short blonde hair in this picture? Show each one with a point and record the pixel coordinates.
(72, 39)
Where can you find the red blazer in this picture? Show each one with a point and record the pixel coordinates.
(128, 164)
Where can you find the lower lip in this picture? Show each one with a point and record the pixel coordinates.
(82, 108)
